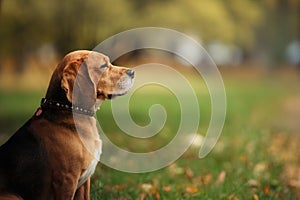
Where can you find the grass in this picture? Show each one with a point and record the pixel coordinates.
(255, 158)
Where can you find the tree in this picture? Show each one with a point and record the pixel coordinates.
(25, 25)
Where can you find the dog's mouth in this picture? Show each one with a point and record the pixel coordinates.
(121, 88)
(110, 96)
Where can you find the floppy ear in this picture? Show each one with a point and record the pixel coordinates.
(68, 79)
(78, 84)
(85, 90)
(94, 63)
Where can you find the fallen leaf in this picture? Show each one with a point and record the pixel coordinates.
(175, 170)
(232, 197)
(221, 177)
(191, 189)
(189, 173)
(255, 197)
(142, 196)
(244, 158)
(147, 188)
(260, 168)
(294, 183)
(118, 187)
(157, 195)
(204, 180)
(207, 178)
(253, 183)
(167, 188)
(267, 189)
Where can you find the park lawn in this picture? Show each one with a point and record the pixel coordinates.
(256, 156)
(249, 161)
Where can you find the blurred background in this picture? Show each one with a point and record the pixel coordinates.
(262, 32)
(256, 45)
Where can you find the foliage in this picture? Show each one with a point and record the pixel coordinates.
(27, 25)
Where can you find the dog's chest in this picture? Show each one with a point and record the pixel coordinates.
(92, 166)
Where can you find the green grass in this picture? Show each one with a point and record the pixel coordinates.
(255, 156)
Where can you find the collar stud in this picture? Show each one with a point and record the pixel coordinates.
(48, 103)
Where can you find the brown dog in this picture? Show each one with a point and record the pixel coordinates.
(54, 154)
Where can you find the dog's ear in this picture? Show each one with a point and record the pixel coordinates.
(68, 78)
(80, 79)
(78, 83)
(96, 65)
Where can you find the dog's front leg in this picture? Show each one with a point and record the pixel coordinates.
(83, 192)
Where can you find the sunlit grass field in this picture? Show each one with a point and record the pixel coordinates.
(256, 157)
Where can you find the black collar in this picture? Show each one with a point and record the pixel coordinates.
(52, 104)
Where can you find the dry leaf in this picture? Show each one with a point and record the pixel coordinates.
(147, 188)
(167, 188)
(260, 168)
(255, 197)
(253, 183)
(267, 189)
(175, 170)
(118, 187)
(221, 177)
(207, 178)
(294, 183)
(191, 189)
(204, 180)
(142, 196)
(232, 197)
(157, 195)
(244, 158)
(189, 173)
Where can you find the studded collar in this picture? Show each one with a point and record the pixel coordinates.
(48, 103)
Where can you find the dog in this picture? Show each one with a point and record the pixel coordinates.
(54, 154)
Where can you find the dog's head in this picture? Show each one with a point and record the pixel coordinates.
(87, 78)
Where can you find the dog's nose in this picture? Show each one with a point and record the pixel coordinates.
(130, 73)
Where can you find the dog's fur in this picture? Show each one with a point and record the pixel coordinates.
(47, 158)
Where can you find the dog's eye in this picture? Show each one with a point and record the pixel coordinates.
(104, 66)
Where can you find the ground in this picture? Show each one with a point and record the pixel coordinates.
(256, 156)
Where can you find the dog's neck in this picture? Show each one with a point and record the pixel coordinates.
(57, 101)
(66, 106)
